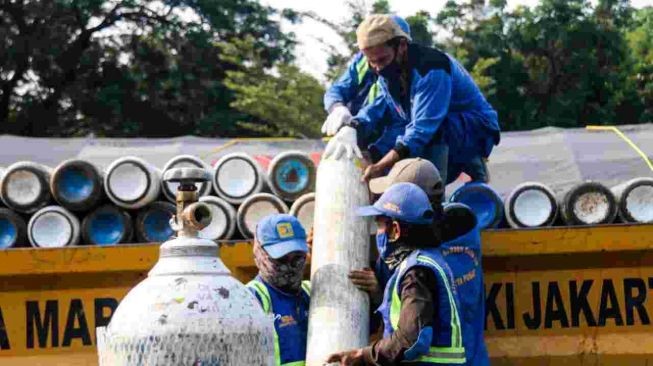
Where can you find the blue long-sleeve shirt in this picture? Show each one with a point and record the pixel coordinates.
(442, 96)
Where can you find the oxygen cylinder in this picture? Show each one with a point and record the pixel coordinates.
(153, 222)
(291, 174)
(531, 204)
(635, 200)
(53, 227)
(237, 176)
(189, 310)
(588, 203)
(185, 161)
(483, 201)
(339, 312)
(107, 225)
(76, 185)
(304, 210)
(13, 230)
(254, 209)
(223, 219)
(24, 186)
(131, 182)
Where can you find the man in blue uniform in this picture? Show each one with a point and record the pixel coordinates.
(420, 307)
(280, 256)
(446, 117)
(355, 89)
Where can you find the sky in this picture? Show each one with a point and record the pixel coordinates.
(311, 52)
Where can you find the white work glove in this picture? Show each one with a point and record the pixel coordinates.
(339, 116)
(344, 142)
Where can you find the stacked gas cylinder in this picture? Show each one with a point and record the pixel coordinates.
(76, 203)
(533, 204)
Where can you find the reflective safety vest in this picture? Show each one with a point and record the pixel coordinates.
(290, 320)
(441, 343)
(362, 67)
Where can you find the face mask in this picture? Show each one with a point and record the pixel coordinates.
(383, 245)
(391, 71)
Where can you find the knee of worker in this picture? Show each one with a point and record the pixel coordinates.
(475, 168)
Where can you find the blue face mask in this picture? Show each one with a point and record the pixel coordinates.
(383, 245)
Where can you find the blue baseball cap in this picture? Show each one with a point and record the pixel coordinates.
(280, 234)
(405, 202)
(402, 23)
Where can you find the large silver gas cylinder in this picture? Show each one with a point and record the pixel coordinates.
(189, 310)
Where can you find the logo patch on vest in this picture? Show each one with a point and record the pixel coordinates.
(285, 320)
(284, 229)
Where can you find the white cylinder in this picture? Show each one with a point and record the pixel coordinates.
(13, 229)
(185, 161)
(291, 174)
(53, 227)
(254, 209)
(25, 186)
(107, 225)
(76, 185)
(588, 203)
(339, 312)
(531, 204)
(153, 222)
(236, 177)
(635, 200)
(223, 219)
(304, 210)
(131, 182)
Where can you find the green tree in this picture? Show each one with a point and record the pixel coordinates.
(282, 102)
(640, 40)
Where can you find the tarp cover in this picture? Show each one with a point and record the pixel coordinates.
(556, 157)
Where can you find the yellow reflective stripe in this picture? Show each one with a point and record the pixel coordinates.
(374, 92)
(361, 69)
(296, 363)
(456, 337)
(264, 294)
(306, 286)
(439, 355)
(395, 300)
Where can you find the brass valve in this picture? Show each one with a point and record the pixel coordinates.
(192, 216)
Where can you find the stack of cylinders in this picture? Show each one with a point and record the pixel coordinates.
(254, 209)
(291, 174)
(588, 203)
(53, 227)
(185, 161)
(236, 177)
(76, 185)
(25, 187)
(107, 225)
(483, 201)
(153, 222)
(13, 230)
(223, 219)
(531, 204)
(635, 200)
(132, 183)
(304, 210)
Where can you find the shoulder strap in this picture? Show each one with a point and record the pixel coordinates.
(306, 286)
(263, 293)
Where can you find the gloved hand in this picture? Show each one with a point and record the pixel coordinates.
(339, 116)
(344, 142)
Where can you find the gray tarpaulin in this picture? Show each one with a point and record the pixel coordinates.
(553, 156)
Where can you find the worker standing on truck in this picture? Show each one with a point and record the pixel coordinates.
(420, 307)
(280, 256)
(461, 249)
(446, 116)
(358, 88)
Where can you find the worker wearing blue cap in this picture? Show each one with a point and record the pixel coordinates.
(280, 256)
(420, 306)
